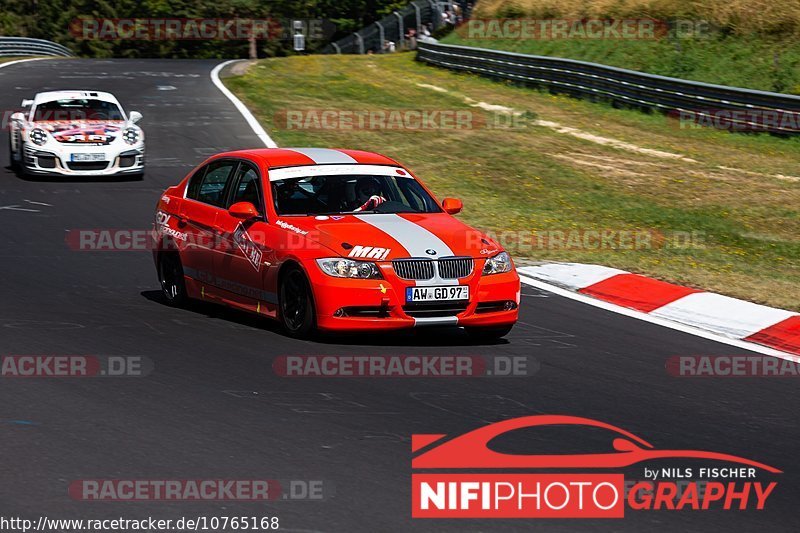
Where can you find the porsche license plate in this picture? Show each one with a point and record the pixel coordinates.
(88, 157)
(437, 294)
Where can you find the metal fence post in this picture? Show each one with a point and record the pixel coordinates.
(400, 33)
(381, 36)
(435, 15)
(360, 42)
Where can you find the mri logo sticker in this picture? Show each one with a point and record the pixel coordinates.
(369, 252)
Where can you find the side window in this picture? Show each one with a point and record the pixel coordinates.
(412, 195)
(193, 189)
(212, 186)
(248, 187)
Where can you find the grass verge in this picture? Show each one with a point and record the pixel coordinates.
(730, 42)
(752, 62)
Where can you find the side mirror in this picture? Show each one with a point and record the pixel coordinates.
(452, 205)
(243, 210)
(27, 103)
(134, 117)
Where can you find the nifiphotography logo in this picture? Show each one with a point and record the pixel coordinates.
(474, 481)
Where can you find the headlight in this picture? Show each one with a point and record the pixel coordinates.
(347, 268)
(131, 135)
(497, 264)
(38, 136)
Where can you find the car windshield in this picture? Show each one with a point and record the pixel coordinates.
(343, 194)
(70, 109)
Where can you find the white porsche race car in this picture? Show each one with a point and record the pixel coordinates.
(76, 133)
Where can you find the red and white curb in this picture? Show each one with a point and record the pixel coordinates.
(736, 322)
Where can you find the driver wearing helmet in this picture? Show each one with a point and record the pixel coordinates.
(368, 193)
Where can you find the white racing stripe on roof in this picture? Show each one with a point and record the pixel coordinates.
(324, 156)
(335, 170)
(413, 237)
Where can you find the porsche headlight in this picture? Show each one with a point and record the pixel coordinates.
(347, 268)
(38, 136)
(131, 135)
(498, 264)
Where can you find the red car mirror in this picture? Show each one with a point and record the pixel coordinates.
(243, 210)
(452, 205)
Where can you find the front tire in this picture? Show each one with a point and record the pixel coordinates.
(296, 305)
(170, 275)
(12, 156)
(488, 334)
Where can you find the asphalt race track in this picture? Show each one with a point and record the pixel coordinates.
(214, 408)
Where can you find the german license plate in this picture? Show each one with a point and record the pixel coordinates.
(437, 294)
(88, 157)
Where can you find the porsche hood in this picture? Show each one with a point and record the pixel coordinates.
(82, 132)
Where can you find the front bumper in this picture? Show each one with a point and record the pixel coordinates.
(354, 304)
(45, 161)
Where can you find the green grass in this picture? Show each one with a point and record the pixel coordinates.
(740, 192)
(754, 62)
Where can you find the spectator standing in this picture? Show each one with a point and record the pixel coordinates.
(411, 38)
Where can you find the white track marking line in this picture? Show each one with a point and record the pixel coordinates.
(248, 116)
(18, 208)
(38, 203)
(659, 321)
(8, 64)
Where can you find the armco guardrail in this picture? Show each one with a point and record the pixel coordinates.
(24, 46)
(740, 109)
(394, 27)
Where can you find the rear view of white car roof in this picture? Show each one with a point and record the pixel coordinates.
(50, 96)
